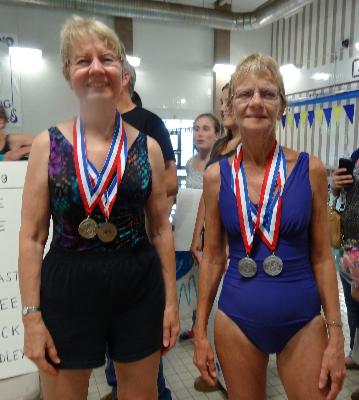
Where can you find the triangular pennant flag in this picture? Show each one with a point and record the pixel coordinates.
(284, 117)
(328, 114)
(290, 118)
(319, 116)
(303, 117)
(349, 110)
(297, 118)
(337, 111)
(310, 118)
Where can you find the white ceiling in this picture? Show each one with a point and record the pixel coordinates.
(237, 5)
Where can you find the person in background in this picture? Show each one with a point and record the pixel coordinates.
(347, 186)
(150, 124)
(15, 146)
(130, 106)
(224, 147)
(206, 129)
(105, 284)
(270, 202)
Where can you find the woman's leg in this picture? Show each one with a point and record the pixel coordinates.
(67, 384)
(137, 380)
(244, 369)
(299, 363)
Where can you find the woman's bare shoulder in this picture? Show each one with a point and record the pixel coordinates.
(212, 174)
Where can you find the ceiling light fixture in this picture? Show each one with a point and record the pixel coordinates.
(25, 58)
(134, 61)
(225, 69)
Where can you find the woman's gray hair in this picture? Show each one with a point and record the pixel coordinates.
(127, 67)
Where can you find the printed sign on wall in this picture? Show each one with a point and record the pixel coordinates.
(9, 81)
(12, 359)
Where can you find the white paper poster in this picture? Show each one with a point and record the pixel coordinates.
(9, 81)
(12, 360)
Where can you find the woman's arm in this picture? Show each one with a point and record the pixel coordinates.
(325, 275)
(35, 217)
(171, 178)
(17, 140)
(196, 245)
(160, 233)
(18, 154)
(211, 270)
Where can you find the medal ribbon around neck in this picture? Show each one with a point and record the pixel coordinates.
(265, 220)
(92, 191)
(108, 198)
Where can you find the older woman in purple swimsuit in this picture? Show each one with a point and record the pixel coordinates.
(271, 203)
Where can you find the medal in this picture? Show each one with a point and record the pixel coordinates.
(247, 267)
(88, 228)
(272, 265)
(99, 187)
(266, 219)
(107, 232)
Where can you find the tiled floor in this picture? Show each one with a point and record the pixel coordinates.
(180, 374)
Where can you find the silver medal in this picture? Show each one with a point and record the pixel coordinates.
(273, 265)
(247, 267)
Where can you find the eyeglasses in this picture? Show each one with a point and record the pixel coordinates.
(105, 61)
(266, 95)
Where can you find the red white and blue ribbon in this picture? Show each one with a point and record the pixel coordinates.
(108, 198)
(91, 189)
(266, 217)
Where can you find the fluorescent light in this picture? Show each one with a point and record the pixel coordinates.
(357, 45)
(134, 61)
(288, 69)
(226, 69)
(291, 75)
(183, 101)
(321, 76)
(25, 59)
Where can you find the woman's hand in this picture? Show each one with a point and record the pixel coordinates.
(196, 249)
(171, 327)
(333, 365)
(340, 179)
(203, 358)
(39, 343)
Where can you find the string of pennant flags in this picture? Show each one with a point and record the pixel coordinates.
(304, 117)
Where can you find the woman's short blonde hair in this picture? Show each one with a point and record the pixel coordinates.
(78, 28)
(256, 63)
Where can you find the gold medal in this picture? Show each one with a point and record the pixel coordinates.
(107, 232)
(88, 228)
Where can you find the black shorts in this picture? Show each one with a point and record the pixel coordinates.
(97, 301)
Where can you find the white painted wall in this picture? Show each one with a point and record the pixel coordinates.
(244, 43)
(176, 63)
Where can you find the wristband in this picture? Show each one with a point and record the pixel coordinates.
(28, 310)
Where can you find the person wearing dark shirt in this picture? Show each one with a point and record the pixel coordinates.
(150, 124)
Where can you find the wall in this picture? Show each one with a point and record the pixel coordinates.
(175, 76)
(311, 40)
(244, 43)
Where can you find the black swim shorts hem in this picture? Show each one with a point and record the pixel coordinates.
(90, 364)
(137, 356)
